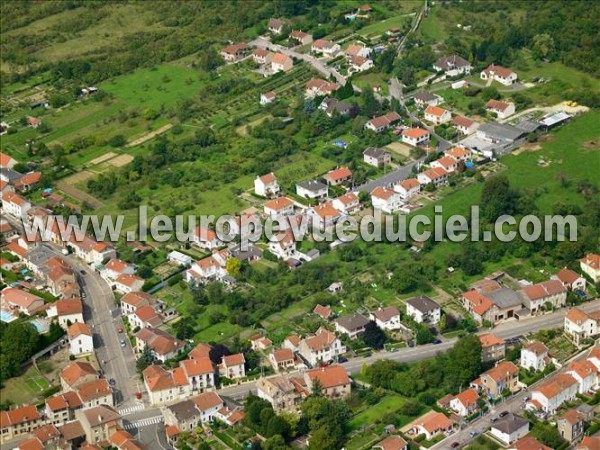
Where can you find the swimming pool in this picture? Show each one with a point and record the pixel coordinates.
(7, 316)
(41, 325)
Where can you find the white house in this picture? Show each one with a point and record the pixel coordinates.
(322, 346)
(267, 97)
(115, 268)
(435, 175)
(325, 47)
(500, 74)
(311, 189)
(301, 37)
(233, 366)
(537, 297)
(502, 110)
(360, 63)
(66, 311)
(206, 269)
(347, 204)
(267, 185)
(281, 63)
(283, 245)
(127, 283)
(180, 259)
(427, 98)
(549, 396)
(415, 136)
(452, 66)
(590, 265)
(324, 215)
(381, 123)
(432, 425)
(510, 428)
(581, 325)
(81, 340)
(586, 374)
(261, 56)
(570, 280)
(208, 404)
(276, 26)
(534, 356)
(460, 154)
(465, 403)
(377, 157)
(408, 188)
(386, 200)
(387, 318)
(281, 206)
(206, 238)
(464, 124)
(352, 325)
(423, 310)
(15, 205)
(437, 115)
(446, 163)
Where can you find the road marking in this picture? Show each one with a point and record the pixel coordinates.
(143, 422)
(130, 409)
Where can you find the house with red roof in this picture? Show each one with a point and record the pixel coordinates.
(20, 301)
(504, 375)
(550, 395)
(386, 200)
(415, 136)
(447, 163)
(460, 154)
(281, 63)
(586, 374)
(392, 442)
(408, 188)
(145, 317)
(542, 295)
(324, 215)
(493, 348)
(127, 283)
(589, 443)
(534, 355)
(282, 359)
(77, 373)
(590, 265)
(165, 386)
(570, 279)
(325, 47)
(347, 204)
(317, 87)
(7, 161)
(114, 268)
(161, 344)
(381, 123)
(15, 205)
(324, 312)
(18, 421)
(134, 300)
(502, 110)
(500, 74)
(235, 52)
(437, 115)
(301, 37)
(283, 245)
(266, 185)
(233, 366)
(386, 318)
(338, 176)
(96, 392)
(276, 25)
(580, 325)
(27, 181)
(206, 238)
(436, 176)
(280, 206)
(333, 380)
(61, 408)
(323, 346)
(199, 372)
(528, 443)
(433, 424)
(81, 340)
(465, 125)
(465, 403)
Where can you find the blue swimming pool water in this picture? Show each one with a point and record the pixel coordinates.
(6, 316)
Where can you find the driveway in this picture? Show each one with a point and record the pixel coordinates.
(387, 180)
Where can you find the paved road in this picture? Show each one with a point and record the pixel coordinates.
(104, 316)
(480, 425)
(389, 179)
(317, 64)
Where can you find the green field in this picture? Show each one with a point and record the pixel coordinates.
(24, 389)
(384, 25)
(373, 414)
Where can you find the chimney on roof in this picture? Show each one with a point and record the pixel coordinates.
(100, 417)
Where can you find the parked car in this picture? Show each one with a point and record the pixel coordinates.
(437, 341)
(122, 342)
(341, 359)
(112, 381)
(454, 444)
(120, 330)
(503, 413)
(473, 433)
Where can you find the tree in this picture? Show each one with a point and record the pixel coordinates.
(543, 46)
(463, 362)
(145, 359)
(277, 426)
(18, 342)
(497, 198)
(275, 442)
(371, 106)
(489, 93)
(424, 335)
(233, 266)
(374, 336)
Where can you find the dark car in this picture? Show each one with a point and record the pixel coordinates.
(112, 381)
(341, 359)
(503, 413)
(454, 444)
(493, 419)
(437, 341)
(82, 272)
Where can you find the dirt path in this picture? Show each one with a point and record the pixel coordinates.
(148, 136)
(67, 185)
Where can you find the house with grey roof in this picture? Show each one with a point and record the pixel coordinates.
(377, 157)
(424, 99)
(311, 189)
(330, 105)
(510, 428)
(423, 310)
(184, 415)
(352, 325)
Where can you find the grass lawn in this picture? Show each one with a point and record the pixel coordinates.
(362, 440)
(381, 27)
(372, 79)
(389, 404)
(26, 388)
